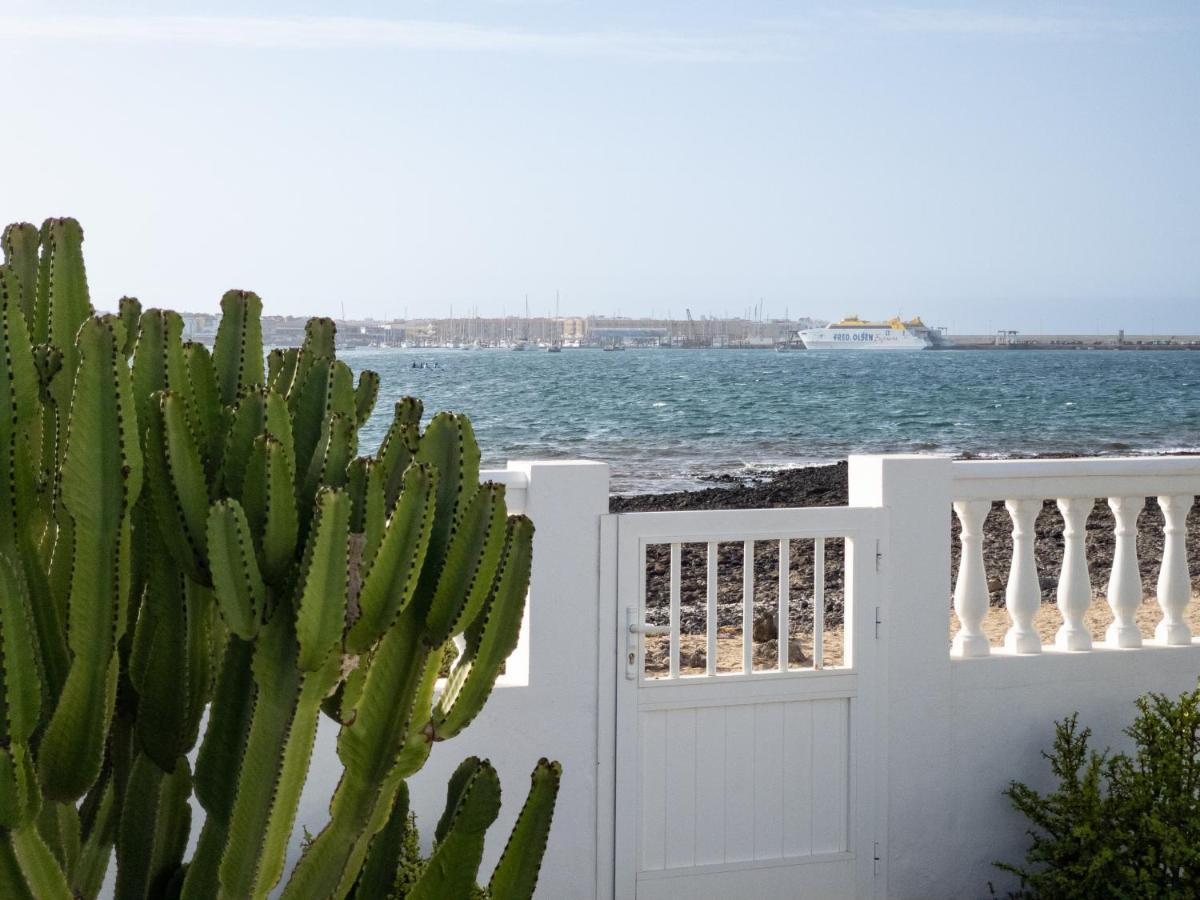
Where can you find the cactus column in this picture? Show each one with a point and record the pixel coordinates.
(264, 571)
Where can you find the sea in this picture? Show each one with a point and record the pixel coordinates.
(674, 419)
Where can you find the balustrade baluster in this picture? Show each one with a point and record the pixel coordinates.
(1125, 581)
(1023, 594)
(1174, 579)
(1074, 583)
(971, 591)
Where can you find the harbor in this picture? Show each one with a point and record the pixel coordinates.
(552, 333)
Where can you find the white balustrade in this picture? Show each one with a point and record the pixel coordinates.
(1074, 584)
(1174, 579)
(1023, 595)
(971, 589)
(1125, 581)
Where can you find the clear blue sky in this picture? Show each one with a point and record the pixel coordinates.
(1024, 165)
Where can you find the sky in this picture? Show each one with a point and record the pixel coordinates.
(1032, 166)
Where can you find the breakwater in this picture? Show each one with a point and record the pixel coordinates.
(1014, 340)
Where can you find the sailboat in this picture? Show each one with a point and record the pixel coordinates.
(521, 342)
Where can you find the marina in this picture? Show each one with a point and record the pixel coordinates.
(710, 333)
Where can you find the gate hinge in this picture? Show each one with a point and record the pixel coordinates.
(878, 621)
(878, 555)
(876, 870)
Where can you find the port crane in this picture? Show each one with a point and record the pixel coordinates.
(694, 338)
(691, 327)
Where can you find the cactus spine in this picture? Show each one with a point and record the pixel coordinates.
(185, 531)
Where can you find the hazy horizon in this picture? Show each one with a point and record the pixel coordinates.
(1004, 165)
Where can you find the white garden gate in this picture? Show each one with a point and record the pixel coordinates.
(739, 777)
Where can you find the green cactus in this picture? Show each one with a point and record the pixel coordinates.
(394, 866)
(186, 532)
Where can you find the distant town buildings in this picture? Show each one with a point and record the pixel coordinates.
(509, 332)
(512, 331)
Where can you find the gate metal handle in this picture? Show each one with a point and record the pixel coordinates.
(635, 628)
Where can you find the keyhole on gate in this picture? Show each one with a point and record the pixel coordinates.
(631, 659)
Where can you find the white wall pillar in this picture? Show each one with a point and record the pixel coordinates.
(565, 501)
(915, 657)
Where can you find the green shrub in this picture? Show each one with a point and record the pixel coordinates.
(1118, 825)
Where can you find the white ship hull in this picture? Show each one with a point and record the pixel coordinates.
(870, 339)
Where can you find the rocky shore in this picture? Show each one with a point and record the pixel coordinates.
(827, 486)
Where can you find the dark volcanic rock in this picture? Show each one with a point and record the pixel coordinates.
(810, 486)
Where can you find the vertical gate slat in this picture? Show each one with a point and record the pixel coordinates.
(768, 780)
(676, 567)
(679, 822)
(653, 766)
(819, 603)
(784, 630)
(748, 607)
(739, 783)
(710, 785)
(831, 785)
(798, 789)
(710, 654)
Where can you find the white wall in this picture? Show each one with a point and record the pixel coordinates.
(556, 714)
(959, 730)
(1001, 712)
(956, 731)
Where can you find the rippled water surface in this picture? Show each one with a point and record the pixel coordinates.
(663, 417)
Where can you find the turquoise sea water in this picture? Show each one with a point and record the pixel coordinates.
(663, 417)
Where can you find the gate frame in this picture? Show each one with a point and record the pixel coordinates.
(859, 525)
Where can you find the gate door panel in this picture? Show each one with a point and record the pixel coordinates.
(744, 705)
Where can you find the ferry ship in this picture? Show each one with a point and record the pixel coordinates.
(852, 333)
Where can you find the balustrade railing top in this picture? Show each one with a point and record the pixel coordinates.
(1040, 479)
